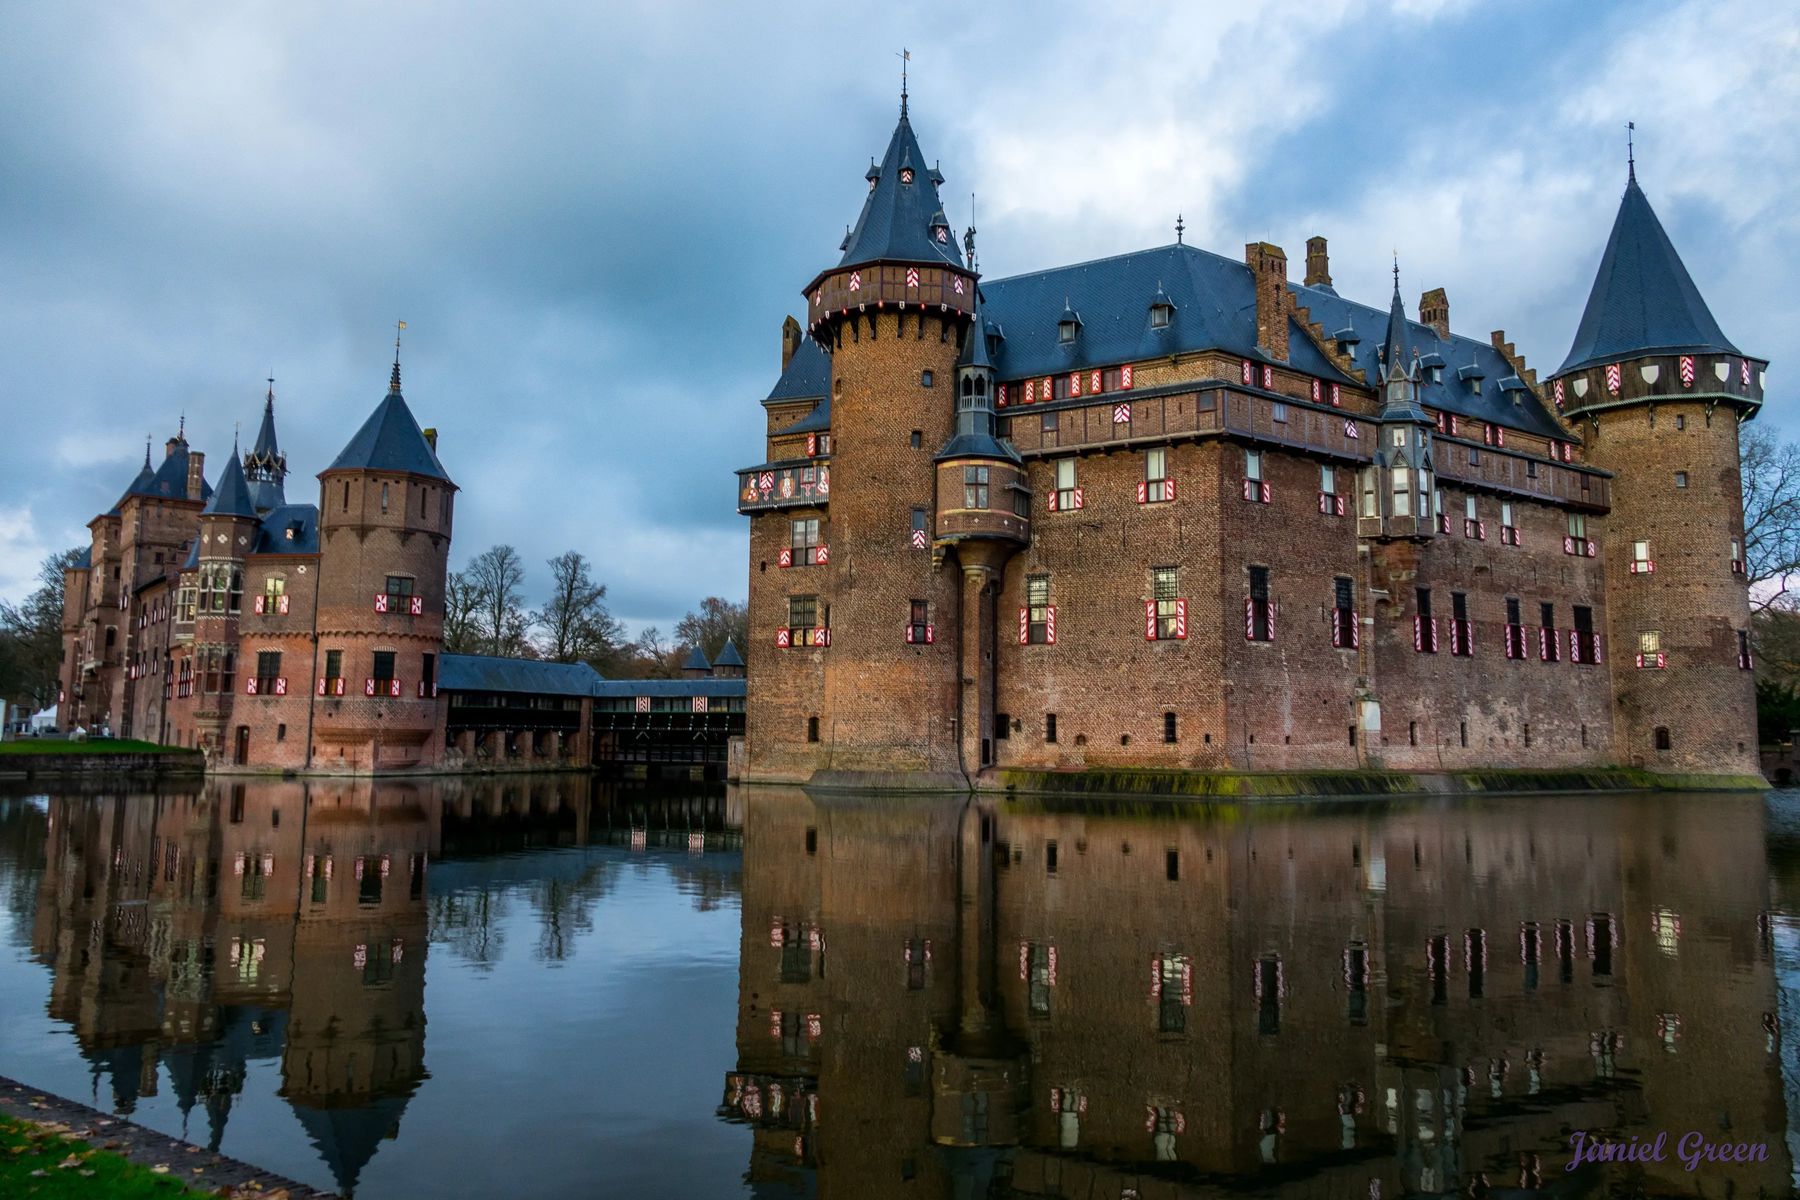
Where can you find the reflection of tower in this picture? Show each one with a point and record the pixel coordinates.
(356, 1031)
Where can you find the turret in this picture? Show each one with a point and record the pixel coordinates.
(1658, 392)
(1395, 492)
(266, 466)
(892, 314)
(227, 528)
(385, 515)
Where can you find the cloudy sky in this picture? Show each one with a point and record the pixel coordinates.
(594, 216)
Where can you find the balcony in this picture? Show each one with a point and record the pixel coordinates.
(802, 483)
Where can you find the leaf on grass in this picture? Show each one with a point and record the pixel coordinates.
(160, 1169)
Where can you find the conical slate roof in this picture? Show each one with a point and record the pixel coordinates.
(139, 486)
(348, 1136)
(390, 440)
(1400, 369)
(1643, 300)
(232, 498)
(896, 224)
(696, 661)
(729, 656)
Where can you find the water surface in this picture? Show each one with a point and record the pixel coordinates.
(551, 987)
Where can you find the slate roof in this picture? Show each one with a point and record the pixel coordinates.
(897, 218)
(729, 656)
(84, 560)
(482, 673)
(613, 688)
(390, 440)
(1215, 308)
(806, 377)
(266, 466)
(233, 497)
(272, 535)
(1643, 300)
(696, 661)
(170, 481)
(140, 486)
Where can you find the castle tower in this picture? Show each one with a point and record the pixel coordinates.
(266, 466)
(1659, 392)
(891, 315)
(983, 516)
(385, 513)
(227, 528)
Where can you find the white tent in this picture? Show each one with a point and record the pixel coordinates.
(43, 721)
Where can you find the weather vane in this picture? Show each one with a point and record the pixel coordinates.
(1630, 149)
(1180, 228)
(905, 57)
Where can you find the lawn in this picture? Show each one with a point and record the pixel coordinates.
(46, 1162)
(100, 746)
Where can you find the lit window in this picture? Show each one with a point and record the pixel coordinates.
(803, 621)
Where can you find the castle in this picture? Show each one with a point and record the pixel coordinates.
(275, 636)
(271, 634)
(1173, 510)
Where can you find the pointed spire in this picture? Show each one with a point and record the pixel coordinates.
(266, 466)
(899, 219)
(232, 497)
(147, 440)
(1643, 299)
(1630, 154)
(1397, 345)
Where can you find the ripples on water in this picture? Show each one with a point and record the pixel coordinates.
(555, 987)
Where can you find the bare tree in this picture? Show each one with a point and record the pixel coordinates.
(461, 600)
(714, 623)
(576, 624)
(1770, 470)
(498, 575)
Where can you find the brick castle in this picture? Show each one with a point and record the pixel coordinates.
(267, 633)
(1173, 510)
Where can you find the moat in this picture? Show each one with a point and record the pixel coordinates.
(552, 986)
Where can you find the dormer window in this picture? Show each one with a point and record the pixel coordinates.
(1068, 326)
(906, 175)
(1159, 315)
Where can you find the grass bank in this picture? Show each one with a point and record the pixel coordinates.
(49, 746)
(48, 1161)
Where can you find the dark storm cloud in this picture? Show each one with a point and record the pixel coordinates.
(594, 217)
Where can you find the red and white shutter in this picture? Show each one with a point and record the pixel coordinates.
(257, 606)
(823, 556)
(1143, 492)
(1025, 624)
(381, 602)
(369, 685)
(250, 686)
(784, 557)
(1125, 376)
(1181, 619)
(417, 608)
(1050, 626)
(1149, 620)
(783, 638)
(281, 685)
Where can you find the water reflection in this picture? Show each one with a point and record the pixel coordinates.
(191, 935)
(1003, 999)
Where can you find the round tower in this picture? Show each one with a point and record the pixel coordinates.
(892, 314)
(1658, 393)
(385, 513)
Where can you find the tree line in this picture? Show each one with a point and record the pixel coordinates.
(485, 613)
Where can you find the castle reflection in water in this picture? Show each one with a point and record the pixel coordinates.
(1010, 999)
(991, 998)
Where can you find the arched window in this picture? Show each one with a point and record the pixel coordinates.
(1661, 737)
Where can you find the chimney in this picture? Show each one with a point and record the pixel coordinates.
(1318, 263)
(790, 340)
(1434, 310)
(169, 447)
(1269, 265)
(431, 439)
(196, 480)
